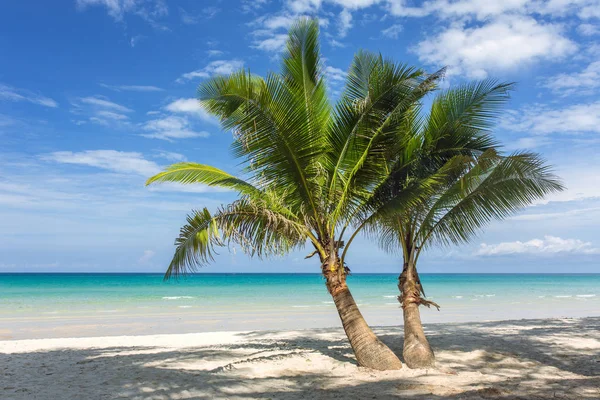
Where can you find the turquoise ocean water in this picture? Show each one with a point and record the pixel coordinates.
(88, 304)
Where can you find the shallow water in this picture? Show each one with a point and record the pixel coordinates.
(205, 302)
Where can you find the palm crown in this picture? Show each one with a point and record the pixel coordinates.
(464, 179)
(312, 167)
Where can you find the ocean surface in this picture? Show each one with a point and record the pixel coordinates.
(63, 305)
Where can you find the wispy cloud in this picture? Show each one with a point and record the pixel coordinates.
(132, 88)
(101, 102)
(9, 93)
(217, 67)
(214, 53)
(548, 246)
(344, 22)
(585, 82)
(135, 40)
(171, 156)
(152, 11)
(112, 160)
(555, 215)
(273, 43)
(171, 128)
(100, 110)
(270, 31)
(121, 162)
(393, 32)
(544, 119)
(335, 75)
(588, 29)
(194, 18)
(253, 5)
(146, 257)
(5, 120)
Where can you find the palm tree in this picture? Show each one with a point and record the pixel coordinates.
(465, 182)
(311, 167)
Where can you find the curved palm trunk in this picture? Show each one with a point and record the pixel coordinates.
(416, 351)
(369, 350)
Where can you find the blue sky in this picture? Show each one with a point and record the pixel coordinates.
(97, 95)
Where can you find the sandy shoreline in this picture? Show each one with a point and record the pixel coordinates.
(525, 359)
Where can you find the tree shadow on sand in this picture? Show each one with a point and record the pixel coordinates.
(516, 360)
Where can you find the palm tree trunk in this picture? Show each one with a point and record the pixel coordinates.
(369, 350)
(416, 352)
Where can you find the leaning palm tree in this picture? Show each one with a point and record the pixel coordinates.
(465, 183)
(310, 167)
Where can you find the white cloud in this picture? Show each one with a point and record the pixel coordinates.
(273, 22)
(554, 215)
(146, 257)
(336, 44)
(344, 22)
(588, 29)
(588, 9)
(135, 40)
(485, 9)
(393, 31)
(149, 10)
(115, 8)
(132, 88)
(103, 115)
(170, 128)
(270, 31)
(577, 118)
(335, 75)
(214, 53)
(273, 44)
(99, 110)
(503, 44)
(187, 18)
(304, 6)
(584, 82)
(399, 8)
(10, 93)
(103, 103)
(217, 67)
(355, 4)
(480, 9)
(548, 246)
(190, 106)
(112, 160)
(171, 156)
(191, 19)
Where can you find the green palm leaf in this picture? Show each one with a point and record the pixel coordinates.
(495, 188)
(189, 173)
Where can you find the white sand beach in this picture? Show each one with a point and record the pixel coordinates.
(524, 359)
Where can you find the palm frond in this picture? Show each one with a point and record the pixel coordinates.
(495, 188)
(196, 244)
(273, 134)
(461, 118)
(366, 128)
(261, 227)
(189, 173)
